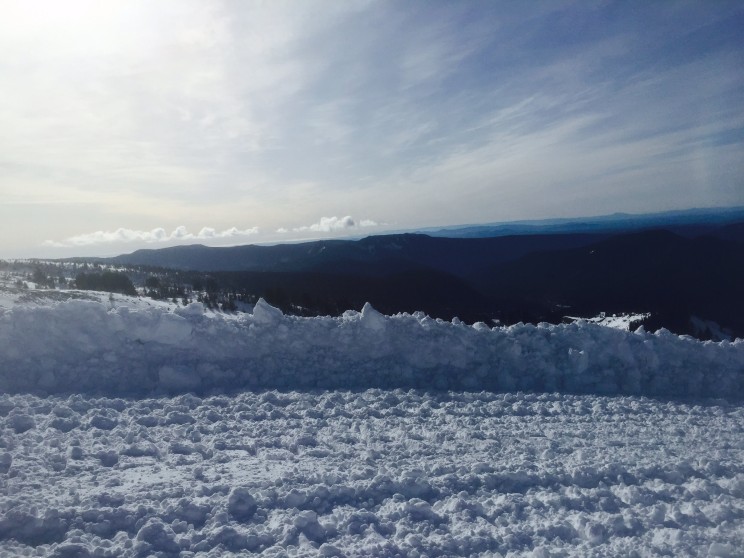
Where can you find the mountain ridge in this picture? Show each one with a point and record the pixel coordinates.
(682, 279)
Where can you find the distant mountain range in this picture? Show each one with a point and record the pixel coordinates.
(687, 270)
(689, 222)
(374, 255)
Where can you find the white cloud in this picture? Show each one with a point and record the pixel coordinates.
(334, 224)
(328, 224)
(122, 235)
(232, 232)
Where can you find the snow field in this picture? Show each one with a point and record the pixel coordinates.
(370, 473)
(118, 348)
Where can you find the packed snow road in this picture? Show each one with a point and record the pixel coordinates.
(370, 473)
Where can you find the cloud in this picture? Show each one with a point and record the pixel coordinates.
(232, 232)
(122, 235)
(333, 224)
(328, 224)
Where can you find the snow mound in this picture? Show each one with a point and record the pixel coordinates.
(85, 346)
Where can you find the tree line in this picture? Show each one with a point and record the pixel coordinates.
(108, 281)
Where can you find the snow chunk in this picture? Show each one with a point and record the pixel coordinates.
(307, 523)
(108, 458)
(241, 504)
(191, 310)
(6, 460)
(371, 318)
(156, 536)
(265, 313)
(21, 422)
(102, 422)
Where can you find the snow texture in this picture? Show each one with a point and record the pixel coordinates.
(371, 473)
(89, 346)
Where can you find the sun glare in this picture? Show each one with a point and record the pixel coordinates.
(75, 28)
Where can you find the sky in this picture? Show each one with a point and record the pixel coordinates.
(151, 123)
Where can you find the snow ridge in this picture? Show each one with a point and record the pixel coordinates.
(86, 346)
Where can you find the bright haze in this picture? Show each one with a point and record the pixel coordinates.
(146, 124)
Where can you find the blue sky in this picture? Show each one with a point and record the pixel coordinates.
(130, 124)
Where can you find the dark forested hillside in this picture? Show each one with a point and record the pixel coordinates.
(670, 276)
(374, 255)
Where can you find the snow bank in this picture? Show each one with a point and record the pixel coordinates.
(88, 347)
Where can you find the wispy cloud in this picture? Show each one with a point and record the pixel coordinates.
(122, 235)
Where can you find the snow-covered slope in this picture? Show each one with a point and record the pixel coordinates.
(120, 347)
